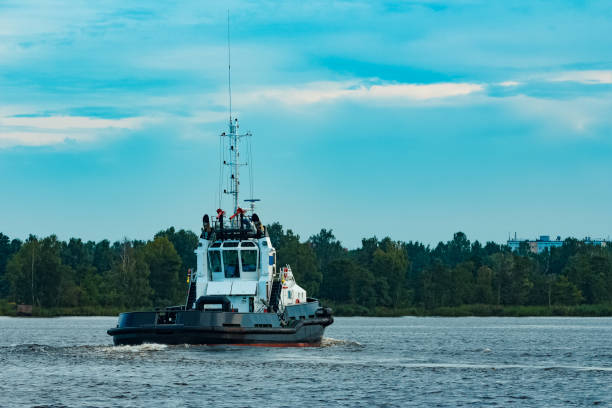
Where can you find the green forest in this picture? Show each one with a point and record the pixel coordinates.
(383, 277)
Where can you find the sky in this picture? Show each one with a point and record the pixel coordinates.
(412, 119)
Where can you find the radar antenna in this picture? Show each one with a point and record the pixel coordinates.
(252, 202)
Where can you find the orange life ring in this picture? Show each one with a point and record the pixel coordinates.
(297, 300)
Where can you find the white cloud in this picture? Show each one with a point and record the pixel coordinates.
(580, 115)
(316, 92)
(585, 77)
(564, 117)
(25, 138)
(70, 122)
(50, 130)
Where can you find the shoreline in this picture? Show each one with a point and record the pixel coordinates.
(480, 310)
(342, 310)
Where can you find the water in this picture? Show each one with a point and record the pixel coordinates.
(364, 362)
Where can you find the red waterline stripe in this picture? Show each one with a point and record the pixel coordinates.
(269, 344)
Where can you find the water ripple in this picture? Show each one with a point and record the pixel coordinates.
(363, 362)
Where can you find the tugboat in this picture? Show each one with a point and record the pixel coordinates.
(237, 295)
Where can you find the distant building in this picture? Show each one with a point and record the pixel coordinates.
(544, 242)
(24, 310)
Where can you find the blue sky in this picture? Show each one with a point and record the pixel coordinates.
(411, 119)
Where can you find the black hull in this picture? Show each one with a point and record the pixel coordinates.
(304, 334)
(217, 327)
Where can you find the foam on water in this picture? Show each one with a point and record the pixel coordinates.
(141, 348)
(330, 342)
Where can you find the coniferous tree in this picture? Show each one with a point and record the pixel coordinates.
(7, 249)
(164, 265)
(185, 243)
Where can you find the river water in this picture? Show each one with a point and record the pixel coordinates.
(365, 362)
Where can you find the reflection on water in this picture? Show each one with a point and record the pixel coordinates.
(361, 362)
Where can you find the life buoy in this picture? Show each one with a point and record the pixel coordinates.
(297, 300)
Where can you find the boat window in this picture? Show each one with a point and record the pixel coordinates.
(249, 260)
(230, 264)
(216, 245)
(214, 260)
(247, 244)
(230, 244)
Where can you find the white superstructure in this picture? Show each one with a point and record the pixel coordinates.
(235, 257)
(240, 270)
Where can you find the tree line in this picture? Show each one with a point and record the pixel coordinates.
(49, 273)
(388, 274)
(380, 274)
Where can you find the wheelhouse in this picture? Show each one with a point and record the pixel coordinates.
(233, 260)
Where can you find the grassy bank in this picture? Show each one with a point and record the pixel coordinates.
(476, 310)
(9, 309)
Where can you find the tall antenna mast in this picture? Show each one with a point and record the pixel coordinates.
(229, 68)
(234, 138)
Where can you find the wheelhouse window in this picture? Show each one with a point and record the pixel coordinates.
(214, 260)
(249, 260)
(230, 263)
